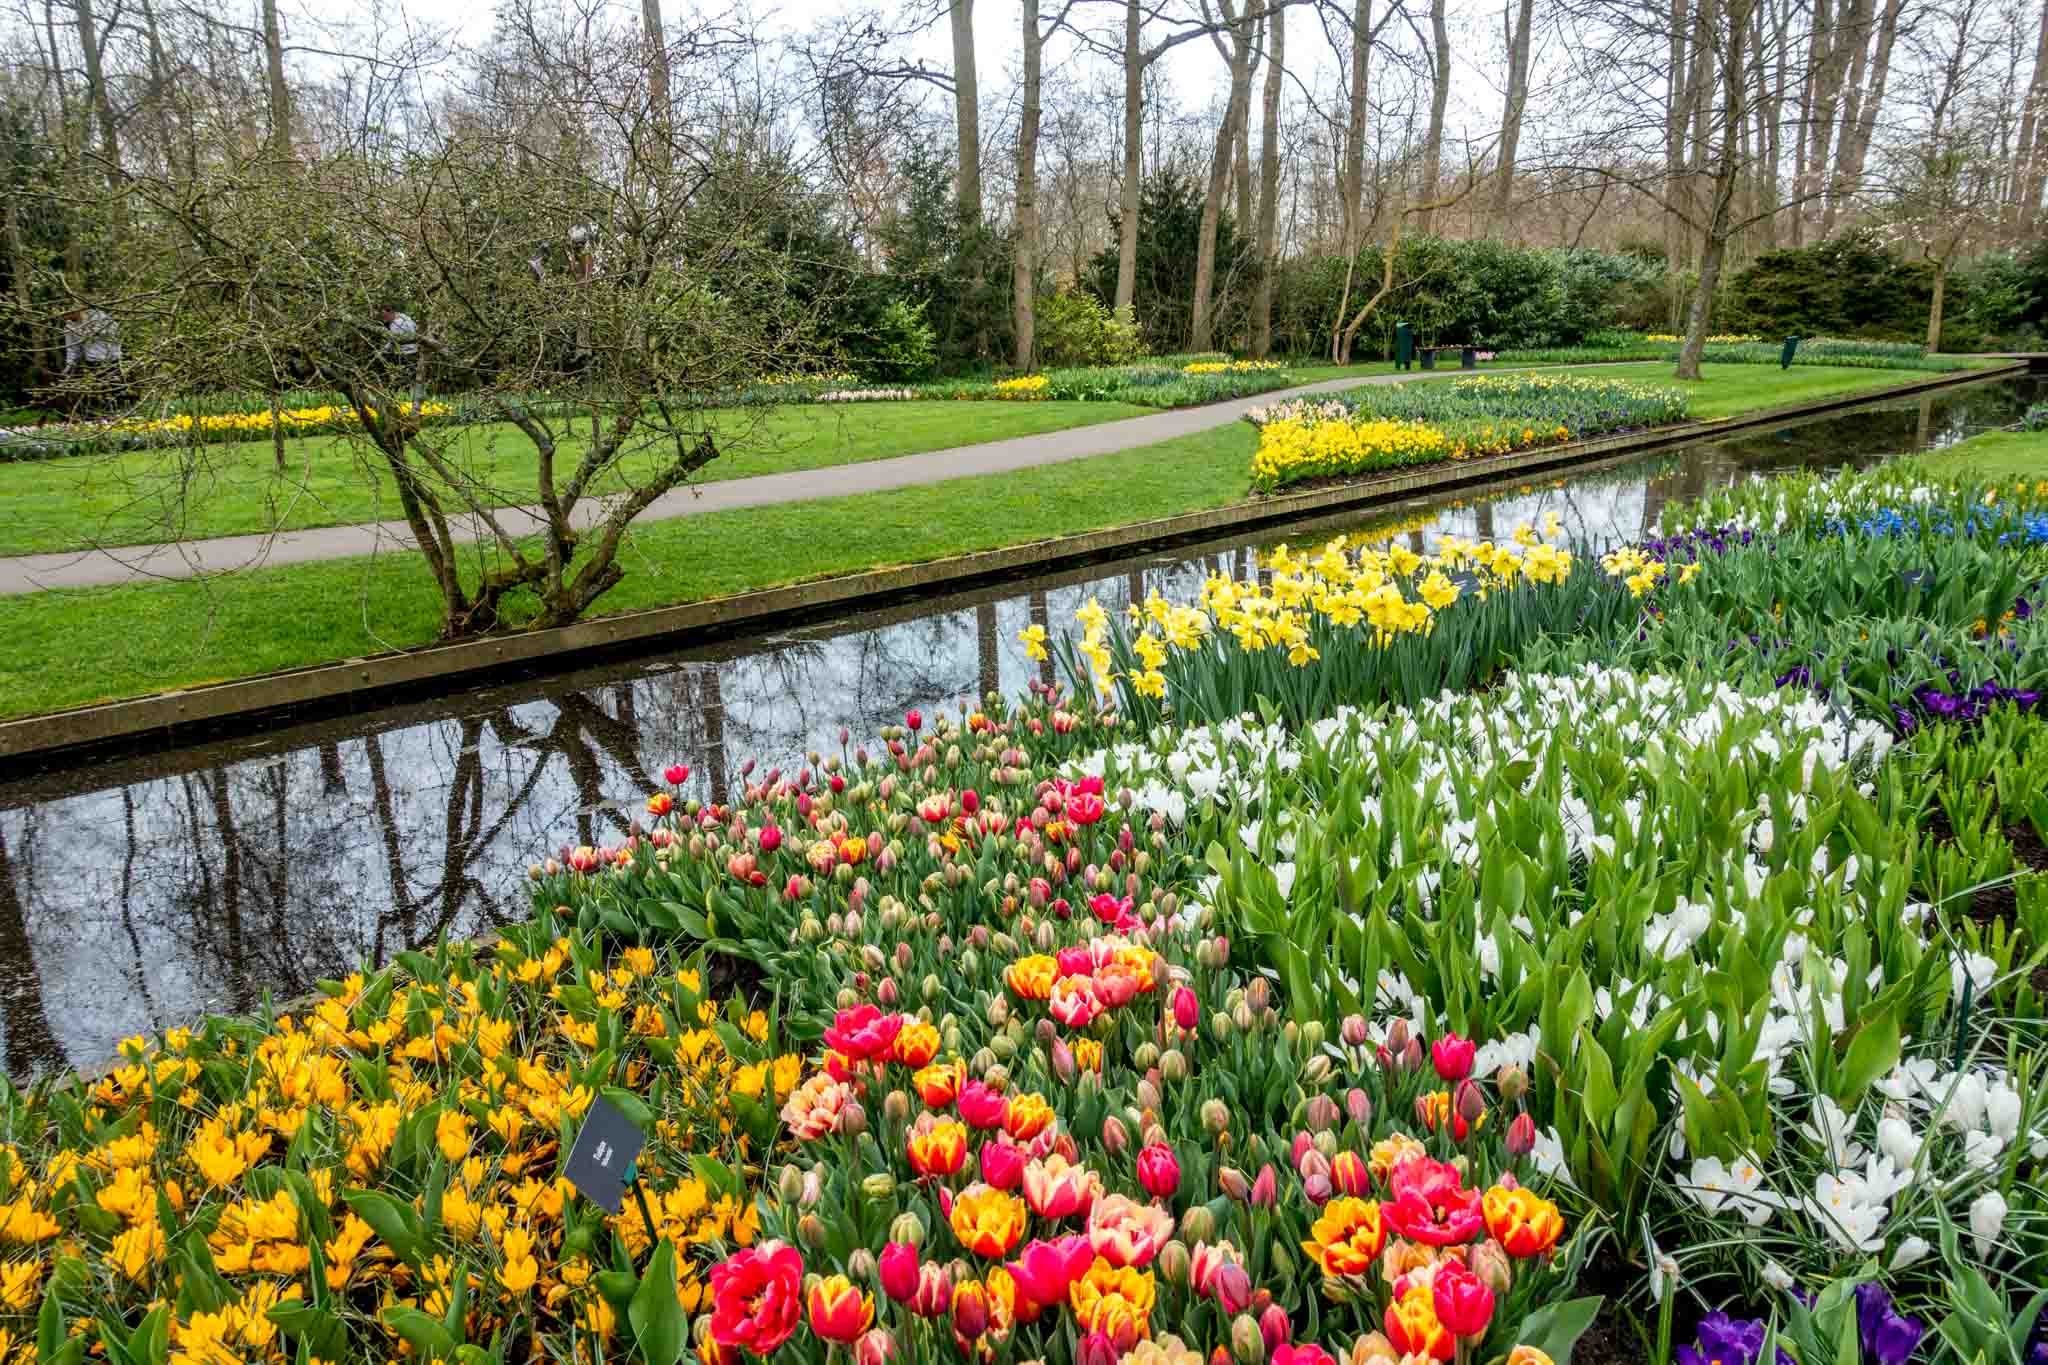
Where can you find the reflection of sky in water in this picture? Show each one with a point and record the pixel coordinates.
(137, 894)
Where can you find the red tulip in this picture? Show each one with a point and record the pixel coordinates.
(757, 1297)
(675, 774)
(1274, 1326)
(1159, 1171)
(915, 720)
(771, 839)
(1084, 808)
(899, 1269)
(979, 1105)
(1002, 1164)
(1096, 1349)
(1464, 1305)
(934, 1296)
(1521, 1139)
(1187, 1010)
(1044, 1271)
(970, 1302)
(1453, 1057)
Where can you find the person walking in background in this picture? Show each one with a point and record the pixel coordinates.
(403, 353)
(92, 354)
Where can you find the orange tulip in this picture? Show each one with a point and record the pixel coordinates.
(987, 1220)
(1027, 1117)
(854, 851)
(939, 1085)
(1412, 1325)
(1032, 977)
(1088, 1055)
(939, 1150)
(1347, 1236)
(839, 1312)
(1522, 1223)
(1529, 1355)
(1116, 1302)
(916, 1043)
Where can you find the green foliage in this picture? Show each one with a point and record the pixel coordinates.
(904, 345)
(1169, 238)
(1076, 328)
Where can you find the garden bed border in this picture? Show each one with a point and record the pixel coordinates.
(347, 684)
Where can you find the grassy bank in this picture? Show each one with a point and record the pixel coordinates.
(237, 489)
(1996, 455)
(126, 641)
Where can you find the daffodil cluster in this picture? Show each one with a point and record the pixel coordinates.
(1230, 366)
(1023, 386)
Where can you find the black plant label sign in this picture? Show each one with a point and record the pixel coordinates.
(1915, 577)
(605, 1150)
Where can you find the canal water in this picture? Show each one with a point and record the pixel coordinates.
(139, 892)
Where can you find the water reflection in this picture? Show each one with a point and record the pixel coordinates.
(136, 894)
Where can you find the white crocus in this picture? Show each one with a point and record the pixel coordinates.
(1987, 1220)
(1911, 1250)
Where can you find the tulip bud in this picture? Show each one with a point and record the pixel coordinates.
(1233, 1183)
(1215, 1117)
(1317, 1189)
(861, 1266)
(875, 1347)
(1243, 1018)
(1469, 1100)
(878, 1186)
(1513, 1083)
(1274, 1326)
(1266, 1189)
(1258, 994)
(1096, 1349)
(1173, 1262)
(1148, 1095)
(1521, 1138)
(1358, 1105)
(907, 1228)
(1198, 1225)
(810, 1230)
(1247, 1342)
(931, 987)
(1411, 1056)
(896, 1107)
(1063, 1065)
(1145, 1056)
(1310, 1162)
(970, 1309)
(853, 1120)
(1354, 1030)
(1489, 1261)
(789, 1184)
(1173, 1065)
(1322, 1113)
(1115, 1137)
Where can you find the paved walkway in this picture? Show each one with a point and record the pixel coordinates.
(225, 554)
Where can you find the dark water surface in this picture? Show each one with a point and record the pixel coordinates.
(137, 893)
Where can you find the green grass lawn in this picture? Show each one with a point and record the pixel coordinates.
(236, 488)
(117, 642)
(1994, 456)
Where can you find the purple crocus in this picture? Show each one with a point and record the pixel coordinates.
(1889, 1337)
(1723, 1340)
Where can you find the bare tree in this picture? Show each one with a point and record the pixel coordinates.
(966, 111)
(1237, 51)
(1439, 98)
(1519, 35)
(1269, 184)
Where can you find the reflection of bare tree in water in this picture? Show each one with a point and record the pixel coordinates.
(31, 1044)
(1041, 616)
(990, 650)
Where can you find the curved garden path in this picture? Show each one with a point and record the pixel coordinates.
(108, 565)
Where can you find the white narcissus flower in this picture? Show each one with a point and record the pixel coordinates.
(1987, 1220)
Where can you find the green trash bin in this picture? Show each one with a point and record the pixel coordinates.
(1404, 345)
(1785, 356)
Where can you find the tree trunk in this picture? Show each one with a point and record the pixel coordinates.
(1934, 306)
(1734, 77)
(1856, 136)
(1828, 75)
(1201, 328)
(1511, 116)
(2033, 138)
(1241, 177)
(1676, 94)
(1024, 279)
(1856, 32)
(1134, 135)
(96, 89)
(966, 112)
(1269, 185)
(281, 141)
(1351, 186)
(1439, 97)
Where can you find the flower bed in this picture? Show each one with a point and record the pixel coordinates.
(1352, 988)
(1423, 423)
